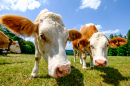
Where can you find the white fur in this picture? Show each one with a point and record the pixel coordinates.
(53, 49)
(90, 24)
(99, 41)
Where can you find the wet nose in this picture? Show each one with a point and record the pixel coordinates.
(63, 70)
(100, 63)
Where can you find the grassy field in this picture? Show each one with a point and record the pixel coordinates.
(15, 69)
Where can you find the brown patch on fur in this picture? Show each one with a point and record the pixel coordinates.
(18, 24)
(84, 42)
(37, 58)
(74, 34)
(87, 32)
(75, 44)
(84, 58)
(117, 42)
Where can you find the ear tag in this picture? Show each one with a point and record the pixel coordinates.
(117, 43)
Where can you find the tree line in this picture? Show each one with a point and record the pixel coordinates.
(28, 47)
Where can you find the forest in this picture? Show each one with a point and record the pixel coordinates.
(27, 47)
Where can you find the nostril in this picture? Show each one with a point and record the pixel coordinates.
(63, 70)
(59, 72)
(105, 63)
(101, 63)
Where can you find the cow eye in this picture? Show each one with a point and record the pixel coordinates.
(17, 46)
(107, 45)
(43, 37)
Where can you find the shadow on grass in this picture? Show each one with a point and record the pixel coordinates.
(9, 56)
(4, 63)
(74, 78)
(112, 76)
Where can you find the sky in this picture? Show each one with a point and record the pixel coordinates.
(109, 16)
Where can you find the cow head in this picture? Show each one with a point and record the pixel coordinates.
(15, 47)
(98, 46)
(50, 38)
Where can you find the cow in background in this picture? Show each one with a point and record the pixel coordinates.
(50, 37)
(96, 44)
(7, 44)
(15, 48)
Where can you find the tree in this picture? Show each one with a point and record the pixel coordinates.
(128, 35)
(120, 35)
(128, 44)
(112, 51)
(111, 36)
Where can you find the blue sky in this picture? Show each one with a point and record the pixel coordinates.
(109, 16)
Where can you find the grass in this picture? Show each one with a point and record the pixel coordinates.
(15, 69)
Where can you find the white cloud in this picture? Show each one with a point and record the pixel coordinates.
(69, 46)
(45, 1)
(111, 31)
(93, 4)
(98, 27)
(21, 5)
(28, 38)
(78, 26)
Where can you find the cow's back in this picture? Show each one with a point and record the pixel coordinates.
(88, 30)
(3, 38)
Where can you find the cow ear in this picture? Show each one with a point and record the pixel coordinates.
(117, 42)
(12, 42)
(84, 42)
(74, 34)
(18, 24)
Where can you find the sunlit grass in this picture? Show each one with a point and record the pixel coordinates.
(15, 69)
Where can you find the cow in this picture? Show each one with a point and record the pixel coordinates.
(50, 38)
(15, 48)
(7, 44)
(96, 44)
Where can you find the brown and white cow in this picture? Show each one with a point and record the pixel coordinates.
(9, 44)
(50, 39)
(15, 48)
(96, 44)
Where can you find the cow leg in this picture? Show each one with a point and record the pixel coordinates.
(91, 62)
(74, 55)
(84, 60)
(36, 66)
(80, 58)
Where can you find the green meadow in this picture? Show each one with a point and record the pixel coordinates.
(15, 70)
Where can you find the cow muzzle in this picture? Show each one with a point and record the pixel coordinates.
(63, 70)
(100, 63)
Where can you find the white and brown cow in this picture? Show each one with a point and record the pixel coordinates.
(8, 44)
(50, 39)
(96, 44)
(15, 48)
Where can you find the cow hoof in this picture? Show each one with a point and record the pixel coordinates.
(34, 75)
(31, 78)
(84, 68)
(81, 63)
